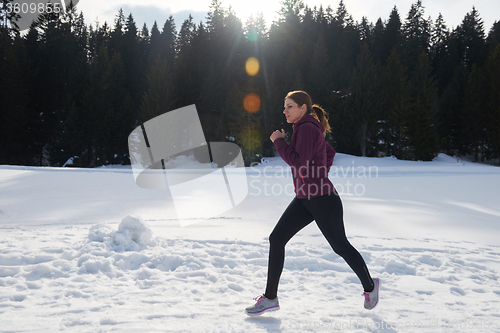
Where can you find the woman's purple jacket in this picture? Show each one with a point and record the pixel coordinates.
(309, 157)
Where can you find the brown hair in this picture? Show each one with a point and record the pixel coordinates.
(301, 97)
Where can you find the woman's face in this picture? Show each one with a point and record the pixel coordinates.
(293, 112)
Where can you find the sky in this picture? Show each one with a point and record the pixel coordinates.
(148, 11)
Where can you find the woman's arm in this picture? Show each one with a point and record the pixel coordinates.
(277, 135)
(330, 154)
(305, 147)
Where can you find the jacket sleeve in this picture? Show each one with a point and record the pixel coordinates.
(330, 154)
(307, 138)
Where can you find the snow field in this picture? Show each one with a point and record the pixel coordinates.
(428, 230)
(107, 281)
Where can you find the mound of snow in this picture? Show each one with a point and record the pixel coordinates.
(443, 158)
(100, 232)
(133, 234)
(133, 229)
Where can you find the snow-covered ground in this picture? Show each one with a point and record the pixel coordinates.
(86, 250)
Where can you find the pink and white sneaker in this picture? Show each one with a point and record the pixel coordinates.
(371, 299)
(262, 305)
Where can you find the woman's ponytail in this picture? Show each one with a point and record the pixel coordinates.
(320, 114)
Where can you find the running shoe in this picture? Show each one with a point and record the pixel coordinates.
(371, 299)
(262, 305)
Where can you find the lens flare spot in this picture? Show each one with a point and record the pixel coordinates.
(252, 66)
(251, 103)
(252, 34)
(251, 138)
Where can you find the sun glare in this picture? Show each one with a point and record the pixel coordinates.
(251, 103)
(244, 9)
(252, 66)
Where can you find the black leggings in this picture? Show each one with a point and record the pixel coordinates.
(327, 211)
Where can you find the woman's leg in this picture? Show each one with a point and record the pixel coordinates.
(294, 218)
(328, 212)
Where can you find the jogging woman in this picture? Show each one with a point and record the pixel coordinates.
(310, 159)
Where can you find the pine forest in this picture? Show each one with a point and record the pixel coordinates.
(406, 86)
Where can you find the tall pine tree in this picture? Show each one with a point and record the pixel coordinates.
(422, 121)
(395, 99)
(364, 102)
(493, 102)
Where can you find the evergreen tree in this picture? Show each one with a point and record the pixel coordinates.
(377, 47)
(285, 45)
(320, 77)
(168, 41)
(144, 35)
(159, 97)
(188, 71)
(16, 116)
(290, 10)
(343, 122)
(36, 140)
(98, 37)
(365, 31)
(133, 64)
(470, 40)
(116, 37)
(144, 49)
(451, 106)
(61, 62)
(364, 102)
(260, 26)
(342, 16)
(439, 35)
(416, 30)
(439, 53)
(311, 32)
(474, 116)
(395, 99)
(82, 128)
(118, 118)
(493, 38)
(154, 46)
(9, 18)
(273, 105)
(422, 122)
(225, 33)
(344, 46)
(186, 34)
(493, 101)
(392, 35)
